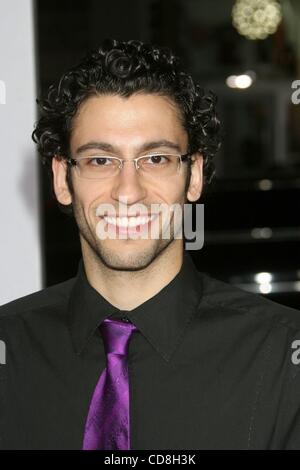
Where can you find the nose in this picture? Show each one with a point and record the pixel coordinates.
(127, 184)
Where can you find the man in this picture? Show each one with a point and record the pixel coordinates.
(128, 135)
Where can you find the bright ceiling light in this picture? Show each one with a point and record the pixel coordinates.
(263, 278)
(256, 19)
(239, 81)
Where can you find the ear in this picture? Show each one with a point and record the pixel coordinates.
(61, 189)
(196, 181)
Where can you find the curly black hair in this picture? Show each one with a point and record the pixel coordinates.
(124, 68)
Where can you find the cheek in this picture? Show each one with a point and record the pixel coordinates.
(88, 195)
(174, 191)
(86, 190)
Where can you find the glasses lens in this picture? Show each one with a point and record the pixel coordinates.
(159, 165)
(98, 167)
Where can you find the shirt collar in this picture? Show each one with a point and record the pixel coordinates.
(162, 319)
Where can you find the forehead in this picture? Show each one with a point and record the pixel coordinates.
(124, 121)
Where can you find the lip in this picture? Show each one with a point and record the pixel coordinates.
(138, 229)
(137, 214)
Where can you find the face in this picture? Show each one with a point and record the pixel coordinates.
(126, 125)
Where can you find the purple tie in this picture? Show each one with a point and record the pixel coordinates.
(107, 425)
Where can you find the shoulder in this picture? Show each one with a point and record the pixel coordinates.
(228, 300)
(45, 299)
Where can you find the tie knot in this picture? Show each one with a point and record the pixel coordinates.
(116, 335)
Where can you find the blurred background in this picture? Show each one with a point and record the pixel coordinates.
(248, 53)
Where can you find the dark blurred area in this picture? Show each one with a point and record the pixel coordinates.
(252, 231)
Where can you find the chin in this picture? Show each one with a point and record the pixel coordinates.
(126, 263)
(127, 260)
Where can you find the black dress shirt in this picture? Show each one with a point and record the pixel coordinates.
(210, 367)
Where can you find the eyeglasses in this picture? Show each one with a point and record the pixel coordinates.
(98, 167)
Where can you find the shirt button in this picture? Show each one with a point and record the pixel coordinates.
(126, 319)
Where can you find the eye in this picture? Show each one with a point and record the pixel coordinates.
(156, 159)
(99, 161)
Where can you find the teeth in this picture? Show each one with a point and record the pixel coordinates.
(128, 221)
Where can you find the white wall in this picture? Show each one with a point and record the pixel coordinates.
(20, 247)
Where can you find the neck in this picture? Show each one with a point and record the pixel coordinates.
(127, 290)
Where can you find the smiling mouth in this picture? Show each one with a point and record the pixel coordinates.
(127, 223)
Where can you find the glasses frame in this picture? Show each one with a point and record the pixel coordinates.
(73, 161)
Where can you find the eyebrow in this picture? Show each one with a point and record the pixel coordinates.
(106, 147)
